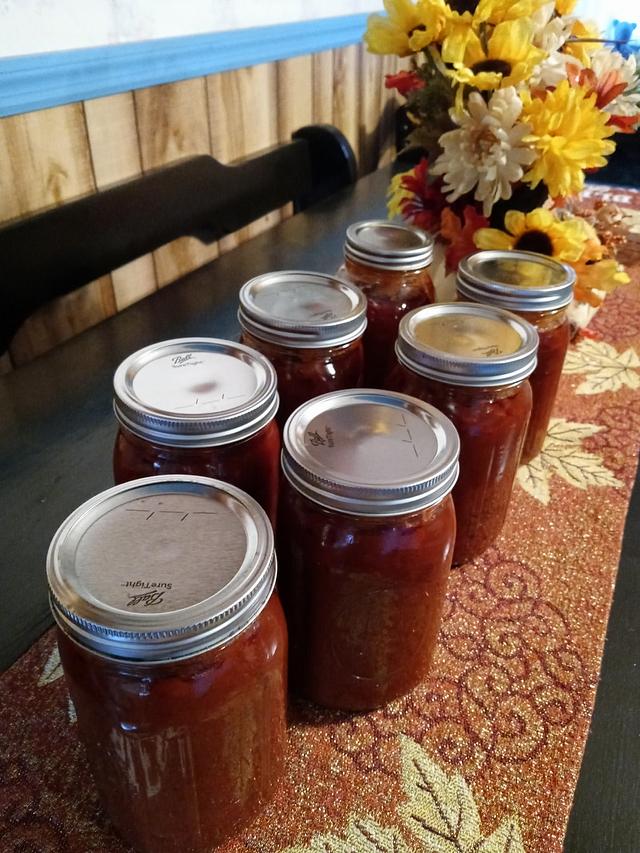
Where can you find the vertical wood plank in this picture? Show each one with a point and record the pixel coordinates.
(371, 93)
(295, 95)
(46, 162)
(345, 89)
(115, 155)
(323, 87)
(173, 123)
(243, 121)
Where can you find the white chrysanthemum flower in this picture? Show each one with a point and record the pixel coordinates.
(550, 35)
(610, 62)
(486, 151)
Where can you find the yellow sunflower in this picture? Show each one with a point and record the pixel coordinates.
(538, 231)
(510, 57)
(569, 134)
(565, 7)
(392, 34)
(605, 275)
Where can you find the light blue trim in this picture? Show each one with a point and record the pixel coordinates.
(49, 79)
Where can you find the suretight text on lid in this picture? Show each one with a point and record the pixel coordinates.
(463, 343)
(195, 392)
(370, 452)
(302, 309)
(162, 567)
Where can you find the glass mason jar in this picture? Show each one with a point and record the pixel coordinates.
(173, 645)
(389, 262)
(540, 290)
(365, 540)
(310, 328)
(472, 363)
(199, 406)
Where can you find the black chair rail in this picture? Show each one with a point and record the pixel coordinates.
(55, 252)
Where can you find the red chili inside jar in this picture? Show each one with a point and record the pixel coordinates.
(472, 363)
(539, 289)
(365, 539)
(389, 262)
(199, 406)
(173, 645)
(310, 328)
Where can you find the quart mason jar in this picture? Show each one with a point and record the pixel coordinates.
(540, 290)
(199, 406)
(174, 646)
(389, 262)
(310, 328)
(365, 540)
(472, 363)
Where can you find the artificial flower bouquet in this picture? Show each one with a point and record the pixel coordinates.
(512, 103)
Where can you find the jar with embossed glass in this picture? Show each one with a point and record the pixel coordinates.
(365, 539)
(540, 290)
(472, 362)
(310, 327)
(174, 647)
(199, 406)
(389, 262)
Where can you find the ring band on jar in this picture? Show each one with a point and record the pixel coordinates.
(389, 262)
(539, 289)
(472, 363)
(365, 540)
(199, 406)
(310, 327)
(173, 645)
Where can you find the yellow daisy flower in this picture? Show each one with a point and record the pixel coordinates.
(569, 134)
(392, 34)
(510, 57)
(588, 41)
(565, 7)
(606, 275)
(538, 231)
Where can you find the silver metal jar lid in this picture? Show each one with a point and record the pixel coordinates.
(161, 568)
(462, 343)
(195, 392)
(368, 452)
(302, 309)
(517, 281)
(388, 245)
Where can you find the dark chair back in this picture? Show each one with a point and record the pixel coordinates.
(55, 252)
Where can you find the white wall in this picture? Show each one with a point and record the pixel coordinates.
(37, 26)
(604, 13)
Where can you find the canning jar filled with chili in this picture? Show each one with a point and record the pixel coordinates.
(540, 290)
(173, 645)
(365, 539)
(389, 262)
(310, 328)
(472, 363)
(199, 406)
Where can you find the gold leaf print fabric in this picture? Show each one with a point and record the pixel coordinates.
(606, 369)
(564, 455)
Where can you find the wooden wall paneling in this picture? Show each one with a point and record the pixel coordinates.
(115, 155)
(173, 123)
(322, 104)
(243, 121)
(370, 109)
(346, 95)
(294, 100)
(46, 161)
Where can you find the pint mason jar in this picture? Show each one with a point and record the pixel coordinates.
(173, 645)
(472, 362)
(389, 262)
(310, 327)
(540, 290)
(199, 406)
(365, 539)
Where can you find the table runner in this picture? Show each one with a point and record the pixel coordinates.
(484, 756)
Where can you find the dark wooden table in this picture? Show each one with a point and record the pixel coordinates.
(56, 438)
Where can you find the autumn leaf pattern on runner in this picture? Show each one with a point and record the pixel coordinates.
(440, 812)
(606, 368)
(563, 454)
